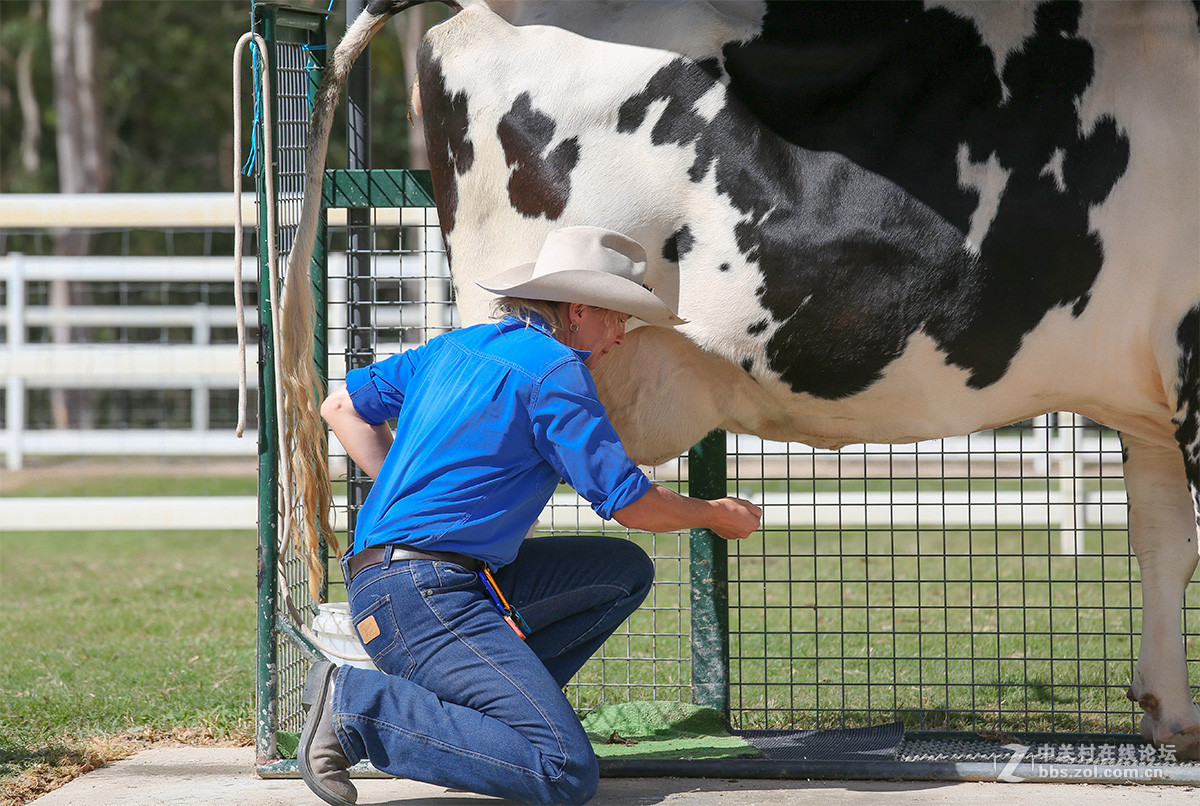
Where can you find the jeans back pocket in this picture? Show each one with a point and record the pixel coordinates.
(379, 632)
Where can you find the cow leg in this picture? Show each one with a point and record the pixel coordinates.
(1162, 532)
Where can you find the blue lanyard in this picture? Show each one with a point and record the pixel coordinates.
(507, 611)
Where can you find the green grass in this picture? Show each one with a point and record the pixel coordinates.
(107, 633)
(135, 485)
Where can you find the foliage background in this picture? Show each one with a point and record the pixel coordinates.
(112, 640)
(165, 85)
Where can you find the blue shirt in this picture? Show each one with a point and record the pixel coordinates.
(488, 419)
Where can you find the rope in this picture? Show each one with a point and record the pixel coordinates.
(256, 124)
(263, 87)
(238, 226)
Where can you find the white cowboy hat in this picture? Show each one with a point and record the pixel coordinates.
(589, 265)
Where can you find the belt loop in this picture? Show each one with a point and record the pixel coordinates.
(344, 562)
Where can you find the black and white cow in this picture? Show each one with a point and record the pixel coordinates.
(885, 222)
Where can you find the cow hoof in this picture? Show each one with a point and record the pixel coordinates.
(1183, 737)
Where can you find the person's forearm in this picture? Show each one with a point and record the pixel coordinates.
(662, 510)
(366, 444)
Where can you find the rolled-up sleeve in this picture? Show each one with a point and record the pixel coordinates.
(377, 391)
(572, 432)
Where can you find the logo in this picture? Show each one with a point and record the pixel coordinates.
(1105, 762)
(1071, 762)
(1009, 771)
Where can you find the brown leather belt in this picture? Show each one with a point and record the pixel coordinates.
(377, 554)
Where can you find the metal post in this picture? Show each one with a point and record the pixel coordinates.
(268, 551)
(709, 581)
(360, 335)
(268, 521)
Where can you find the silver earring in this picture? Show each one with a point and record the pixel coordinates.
(574, 328)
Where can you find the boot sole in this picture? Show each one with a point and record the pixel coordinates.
(316, 689)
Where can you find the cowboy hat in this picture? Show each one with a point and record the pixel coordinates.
(589, 265)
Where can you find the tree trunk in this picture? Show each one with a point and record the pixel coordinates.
(82, 164)
(27, 101)
(82, 161)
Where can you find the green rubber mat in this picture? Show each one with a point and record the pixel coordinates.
(680, 730)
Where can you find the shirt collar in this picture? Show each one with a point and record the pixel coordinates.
(538, 322)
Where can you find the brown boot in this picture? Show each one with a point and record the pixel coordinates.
(323, 762)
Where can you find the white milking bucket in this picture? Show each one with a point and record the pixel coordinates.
(339, 640)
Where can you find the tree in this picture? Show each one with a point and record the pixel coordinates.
(79, 134)
(82, 162)
(161, 81)
(24, 71)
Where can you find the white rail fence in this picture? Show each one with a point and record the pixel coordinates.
(198, 366)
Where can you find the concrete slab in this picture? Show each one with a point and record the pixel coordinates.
(224, 776)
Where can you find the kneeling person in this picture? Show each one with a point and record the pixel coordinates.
(488, 419)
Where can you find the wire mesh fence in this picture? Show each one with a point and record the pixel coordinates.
(980, 583)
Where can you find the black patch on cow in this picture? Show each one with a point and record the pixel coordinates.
(1092, 168)
(758, 327)
(540, 184)
(713, 66)
(670, 250)
(678, 245)
(872, 263)
(1187, 414)
(748, 365)
(879, 253)
(724, 267)
(681, 84)
(854, 269)
(390, 7)
(451, 152)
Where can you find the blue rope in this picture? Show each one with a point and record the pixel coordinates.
(252, 159)
(309, 67)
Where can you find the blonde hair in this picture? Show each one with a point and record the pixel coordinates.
(524, 309)
(552, 312)
(611, 317)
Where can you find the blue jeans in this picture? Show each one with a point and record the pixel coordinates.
(464, 702)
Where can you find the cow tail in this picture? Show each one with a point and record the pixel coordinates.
(304, 441)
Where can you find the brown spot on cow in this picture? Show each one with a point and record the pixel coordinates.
(540, 185)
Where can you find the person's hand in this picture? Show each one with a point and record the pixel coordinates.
(664, 510)
(735, 518)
